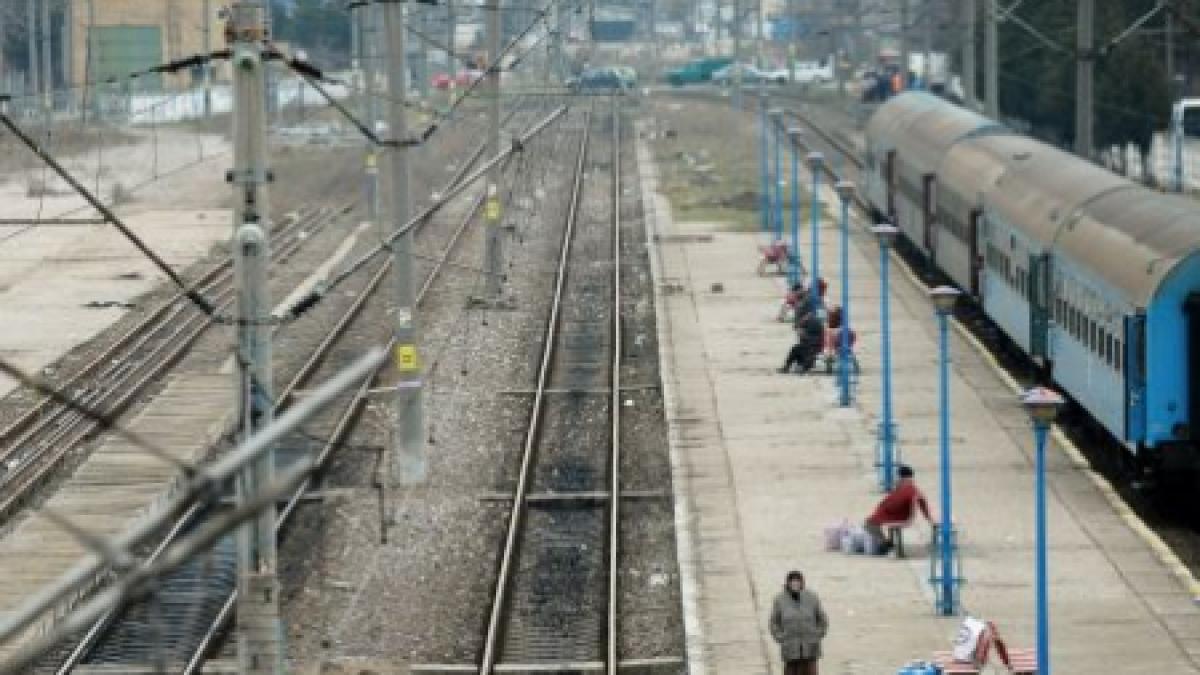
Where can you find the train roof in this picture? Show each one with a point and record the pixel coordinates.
(928, 127)
(1124, 234)
(1133, 238)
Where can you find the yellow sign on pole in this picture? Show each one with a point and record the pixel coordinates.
(493, 209)
(406, 358)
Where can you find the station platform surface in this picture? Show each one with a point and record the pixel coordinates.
(764, 461)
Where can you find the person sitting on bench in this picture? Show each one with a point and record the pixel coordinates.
(810, 334)
(896, 509)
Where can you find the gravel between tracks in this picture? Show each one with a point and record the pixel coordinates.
(367, 603)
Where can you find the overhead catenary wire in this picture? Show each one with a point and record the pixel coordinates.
(307, 302)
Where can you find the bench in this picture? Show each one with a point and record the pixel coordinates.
(829, 354)
(1015, 661)
(776, 254)
(895, 531)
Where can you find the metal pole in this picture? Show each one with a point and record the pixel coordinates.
(67, 46)
(991, 61)
(947, 607)
(259, 631)
(493, 255)
(886, 426)
(1043, 604)
(1084, 83)
(409, 438)
(794, 257)
(970, 89)
(738, 23)
(905, 50)
(47, 66)
(207, 67)
(764, 200)
(845, 191)
(927, 46)
(777, 175)
(815, 161)
(31, 45)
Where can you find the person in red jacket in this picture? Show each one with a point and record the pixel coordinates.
(897, 507)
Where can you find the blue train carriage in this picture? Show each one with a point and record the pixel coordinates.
(1140, 319)
(970, 170)
(907, 141)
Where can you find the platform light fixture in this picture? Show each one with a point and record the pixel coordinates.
(845, 193)
(776, 118)
(816, 161)
(887, 460)
(946, 580)
(1043, 405)
(795, 134)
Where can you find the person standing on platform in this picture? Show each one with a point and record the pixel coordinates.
(798, 624)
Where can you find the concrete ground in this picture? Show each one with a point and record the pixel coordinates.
(763, 462)
(170, 190)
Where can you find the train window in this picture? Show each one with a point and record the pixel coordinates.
(1108, 349)
(1118, 355)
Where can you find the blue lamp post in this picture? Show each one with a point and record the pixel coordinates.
(815, 161)
(776, 118)
(795, 133)
(886, 234)
(845, 192)
(1042, 405)
(764, 204)
(946, 588)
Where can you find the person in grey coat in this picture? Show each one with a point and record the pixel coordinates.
(798, 624)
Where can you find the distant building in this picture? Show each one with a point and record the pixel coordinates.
(111, 38)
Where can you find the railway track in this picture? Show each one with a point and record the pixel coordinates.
(555, 606)
(204, 593)
(34, 445)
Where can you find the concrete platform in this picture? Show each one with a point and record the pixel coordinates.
(763, 462)
(54, 273)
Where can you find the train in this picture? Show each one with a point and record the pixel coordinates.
(1094, 277)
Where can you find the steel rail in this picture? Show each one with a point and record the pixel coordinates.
(614, 501)
(342, 429)
(516, 517)
(204, 283)
(125, 379)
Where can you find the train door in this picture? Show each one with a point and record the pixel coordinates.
(975, 257)
(1191, 308)
(1135, 378)
(1039, 307)
(890, 172)
(929, 211)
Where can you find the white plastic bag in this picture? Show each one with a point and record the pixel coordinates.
(833, 535)
(967, 640)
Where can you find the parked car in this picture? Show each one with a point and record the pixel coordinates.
(628, 75)
(695, 72)
(599, 80)
(748, 73)
(462, 78)
(814, 72)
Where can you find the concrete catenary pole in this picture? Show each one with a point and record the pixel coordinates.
(31, 54)
(408, 467)
(66, 46)
(927, 21)
(970, 90)
(207, 69)
(493, 262)
(47, 65)
(259, 630)
(991, 61)
(1084, 74)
